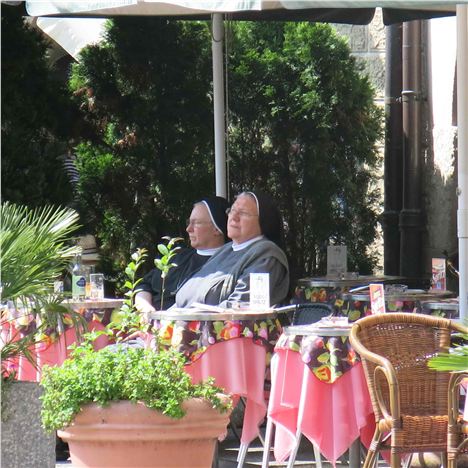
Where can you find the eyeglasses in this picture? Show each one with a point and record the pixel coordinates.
(196, 222)
(240, 213)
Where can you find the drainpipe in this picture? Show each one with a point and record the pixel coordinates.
(411, 215)
(393, 162)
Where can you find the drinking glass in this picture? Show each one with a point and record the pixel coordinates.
(97, 285)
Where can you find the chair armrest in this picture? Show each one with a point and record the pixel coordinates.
(455, 439)
(456, 378)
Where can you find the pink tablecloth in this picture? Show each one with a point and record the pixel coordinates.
(335, 414)
(238, 366)
(51, 352)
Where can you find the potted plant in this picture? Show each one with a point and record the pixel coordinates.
(131, 406)
(35, 250)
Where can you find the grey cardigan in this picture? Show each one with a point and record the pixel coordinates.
(226, 276)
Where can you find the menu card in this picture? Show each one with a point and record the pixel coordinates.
(377, 298)
(439, 276)
(336, 260)
(259, 291)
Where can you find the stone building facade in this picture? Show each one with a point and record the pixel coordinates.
(438, 187)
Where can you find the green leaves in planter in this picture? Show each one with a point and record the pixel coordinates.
(119, 373)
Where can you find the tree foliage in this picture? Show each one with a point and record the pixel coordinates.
(146, 92)
(303, 127)
(36, 118)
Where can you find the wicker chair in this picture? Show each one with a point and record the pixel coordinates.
(457, 438)
(408, 398)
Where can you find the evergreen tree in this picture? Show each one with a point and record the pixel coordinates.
(303, 127)
(146, 92)
(36, 116)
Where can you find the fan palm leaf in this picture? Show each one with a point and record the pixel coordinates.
(34, 248)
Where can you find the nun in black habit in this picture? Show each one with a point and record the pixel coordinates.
(207, 229)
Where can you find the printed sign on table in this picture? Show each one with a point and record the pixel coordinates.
(337, 262)
(377, 298)
(439, 277)
(259, 291)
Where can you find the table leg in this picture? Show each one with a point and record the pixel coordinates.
(242, 454)
(300, 416)
(355, 454)
(292, 456)
(267, 444)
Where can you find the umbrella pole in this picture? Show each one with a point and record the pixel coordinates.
(462, 122)
(218, 103)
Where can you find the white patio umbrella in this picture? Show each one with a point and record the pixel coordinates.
(352, 11)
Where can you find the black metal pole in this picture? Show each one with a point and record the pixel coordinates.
(411, 215)
(393, 163)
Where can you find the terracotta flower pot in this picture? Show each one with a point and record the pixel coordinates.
(125, 434)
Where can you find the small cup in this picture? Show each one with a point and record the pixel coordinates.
(58, 287)
(96, 281)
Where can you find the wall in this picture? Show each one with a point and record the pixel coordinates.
(439, 189)
(439, 200)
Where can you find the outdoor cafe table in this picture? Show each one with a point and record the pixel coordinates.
(356, 306)
(54, 347)
(230, 346)
(447, 308)
(318, 389)
(328, 289)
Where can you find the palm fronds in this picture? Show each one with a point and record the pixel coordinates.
(34, 248)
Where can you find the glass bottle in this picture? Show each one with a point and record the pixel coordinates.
(78, 279)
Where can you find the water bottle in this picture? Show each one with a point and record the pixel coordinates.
(78, 279)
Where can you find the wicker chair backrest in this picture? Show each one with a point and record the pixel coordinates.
(408, 341)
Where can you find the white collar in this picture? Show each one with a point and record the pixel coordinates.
(245, 244)
(207, 252)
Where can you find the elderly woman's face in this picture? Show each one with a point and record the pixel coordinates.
(202, 232)
(243, 221)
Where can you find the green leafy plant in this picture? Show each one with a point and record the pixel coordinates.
(129, 319)
(123, 373)
(167, 251)
(35, 249)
